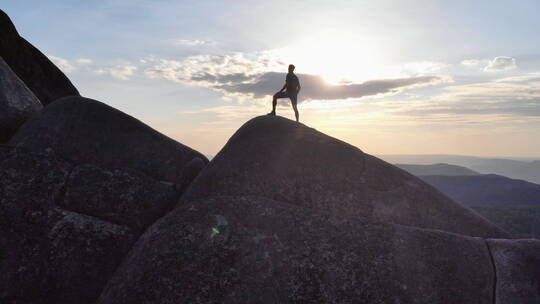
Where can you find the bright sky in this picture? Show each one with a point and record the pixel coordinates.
(391, 77)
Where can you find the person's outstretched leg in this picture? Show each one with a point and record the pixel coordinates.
(293, 102)
(296, 113)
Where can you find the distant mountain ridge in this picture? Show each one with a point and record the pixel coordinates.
(518, 168)
(486, 190)
(512, 204)
(437, 169)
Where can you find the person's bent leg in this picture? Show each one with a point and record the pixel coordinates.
(274, 101)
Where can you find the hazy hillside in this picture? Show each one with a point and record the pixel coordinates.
(489, 189)
(512, 204)
(437, 169)
(520, 168)
(521, 222)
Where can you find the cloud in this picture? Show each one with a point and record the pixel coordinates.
(501, 63)
(256, 75)
(505, 98)
(194, 43)
(316, 88)
(527, 79)
(123, 72)
(474, 62)
(212, 69)
(423, 67)
(84, 61)
(63, 64)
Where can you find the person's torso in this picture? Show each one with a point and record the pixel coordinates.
(292, 82)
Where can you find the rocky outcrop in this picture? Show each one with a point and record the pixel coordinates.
(67, 260)
(87, 131)
(50, 255)
(255, 226)
(282, 160)
(517, 264)
(283, 214)
(40, 75)
(31, 184)
(17, 102)
(257, 250)
(120, 196)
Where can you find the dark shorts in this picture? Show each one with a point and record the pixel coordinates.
(292, 96)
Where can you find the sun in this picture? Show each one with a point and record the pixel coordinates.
(337, 57)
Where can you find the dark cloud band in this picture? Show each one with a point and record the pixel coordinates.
(315, 87)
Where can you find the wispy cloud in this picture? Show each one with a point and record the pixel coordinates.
(84, 61)
(501, 63)
(256, 75)
(212, 69)
(315, 87)
(123, 72)
(63, 64)
(194, 42)
(118, 71)
(497, 64)
(423, 67)
(505, 98)
(474, 62)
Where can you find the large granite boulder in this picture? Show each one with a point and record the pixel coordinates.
(17, 102)
(87, 131)
(68, 260)
(30, 186)
(40, 75)
(49, 255)
(256, 250)
(286, 161)
(33, 183)
(517, 264)
(120, 196)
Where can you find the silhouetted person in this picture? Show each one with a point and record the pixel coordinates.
(290, 90)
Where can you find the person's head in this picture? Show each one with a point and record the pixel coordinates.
(291, 68)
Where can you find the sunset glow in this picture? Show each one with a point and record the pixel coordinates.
(337, 56)
(390, 77)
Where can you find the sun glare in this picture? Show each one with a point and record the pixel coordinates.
(336, 57)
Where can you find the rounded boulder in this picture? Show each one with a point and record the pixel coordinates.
(36, 70)
(286, 161)
(87, 131)
(256, 250)
(17, 102)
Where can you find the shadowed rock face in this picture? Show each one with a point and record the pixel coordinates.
(17, 102)
(68, 260)
(50, 255)
(517, 264)
(256, 250)
(30, 186)
(40, 75)
(120, 196)
(83, 130)
(286, 161)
